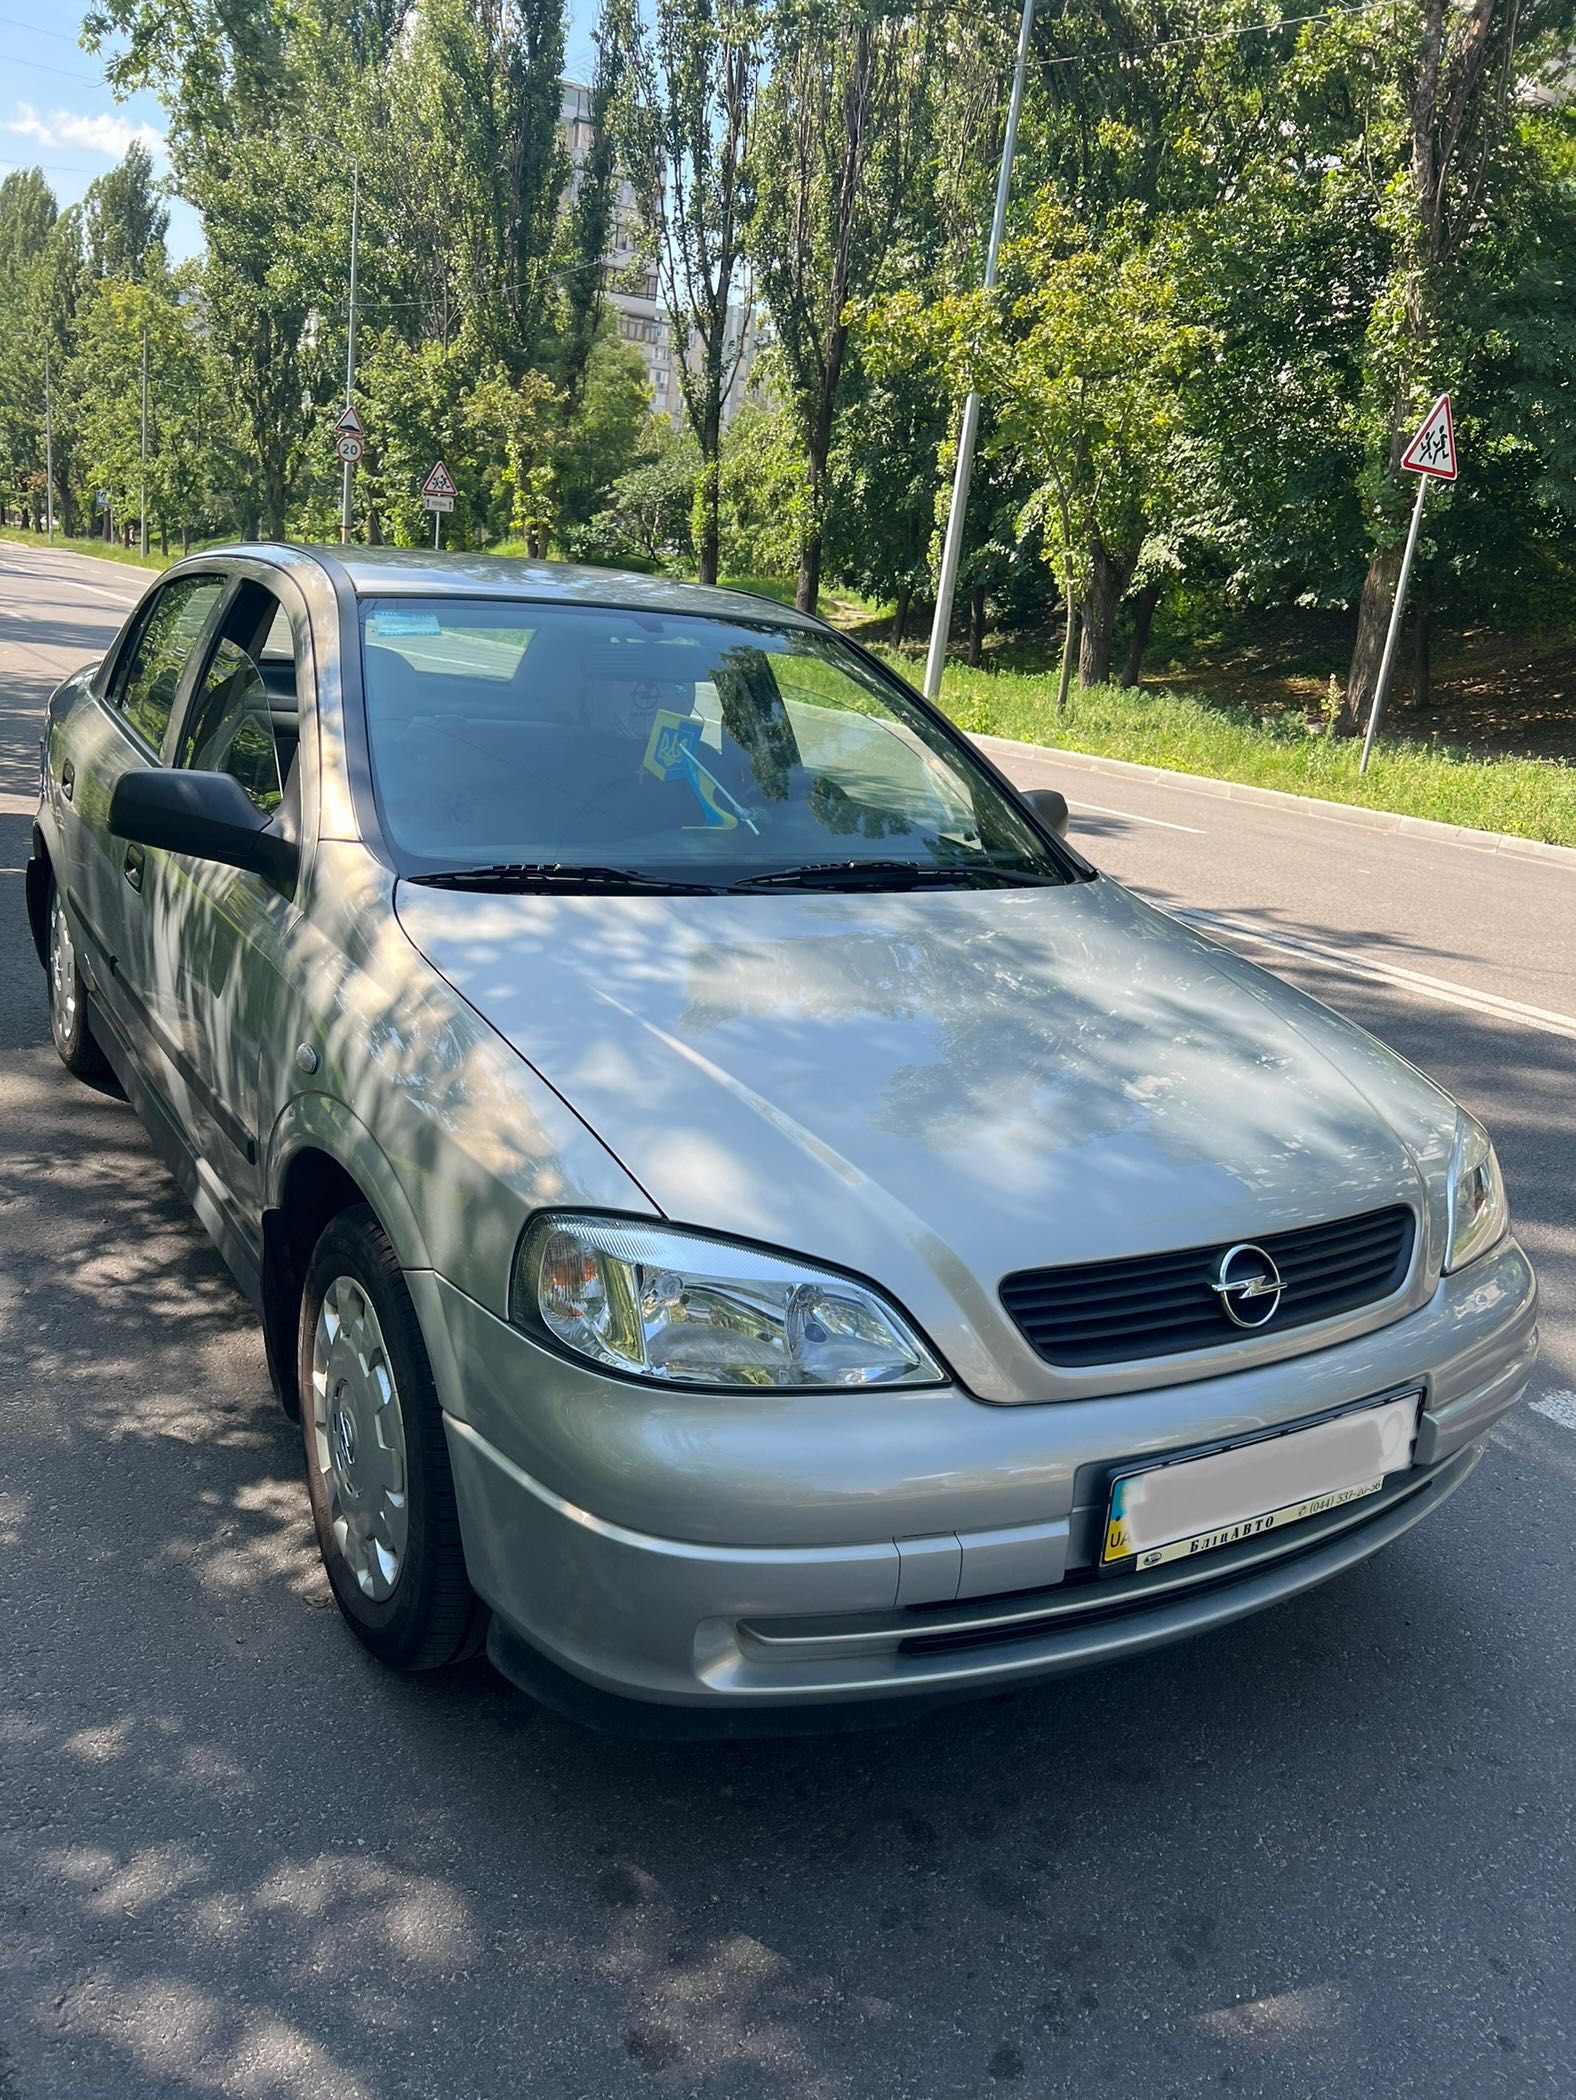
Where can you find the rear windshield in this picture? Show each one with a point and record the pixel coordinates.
(677, 746)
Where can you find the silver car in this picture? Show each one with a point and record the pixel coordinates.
(750, 1220)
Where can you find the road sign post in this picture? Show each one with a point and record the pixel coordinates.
(437, 494)
(1431, 456)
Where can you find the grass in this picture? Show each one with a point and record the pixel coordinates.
(1528, 798)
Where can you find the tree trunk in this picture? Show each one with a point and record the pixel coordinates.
(1069, 645)
(186, 541)
(1107, 582)
(273, 504)
(164, 539)
(708, 539)
(905, 599)
(1422, 666)
(807, 590)
(976, 625)
(1373, 617)
(1138, 641)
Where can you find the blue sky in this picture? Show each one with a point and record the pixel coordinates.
(57, 111)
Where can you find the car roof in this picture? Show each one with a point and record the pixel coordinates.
(416, 572)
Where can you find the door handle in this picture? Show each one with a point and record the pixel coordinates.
(68, 780)
(131, 867)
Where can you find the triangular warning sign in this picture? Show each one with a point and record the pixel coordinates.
(439, 482)
(349, 424)
(1433, 450)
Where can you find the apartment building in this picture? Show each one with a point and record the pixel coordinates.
(631, 277)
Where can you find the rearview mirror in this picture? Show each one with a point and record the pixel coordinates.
(208, 815)
(1050, 806)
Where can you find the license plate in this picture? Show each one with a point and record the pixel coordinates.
(1180, 1508)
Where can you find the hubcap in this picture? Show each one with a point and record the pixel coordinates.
(62, 972)
(358, 1439)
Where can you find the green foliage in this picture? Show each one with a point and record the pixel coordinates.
(185, 399)
(646, 520)
(123, 220)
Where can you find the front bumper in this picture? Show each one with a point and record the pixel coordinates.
(816, 1550)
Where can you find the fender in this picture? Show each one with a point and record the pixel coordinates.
(326, 1124)
(320, 1123)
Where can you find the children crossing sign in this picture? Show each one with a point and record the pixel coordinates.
(437, 495)
(1433, 450)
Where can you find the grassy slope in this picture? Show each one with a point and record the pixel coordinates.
(1530, 798)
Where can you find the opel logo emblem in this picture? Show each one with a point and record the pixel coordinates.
(1248, 1285)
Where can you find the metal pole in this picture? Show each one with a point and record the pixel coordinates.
(142, 498)
(49, 455)
(952, 545)
(350, 345)
(1396, 610)
(437, 530)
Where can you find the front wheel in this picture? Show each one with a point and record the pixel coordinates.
(376, 1460)
(68, 997)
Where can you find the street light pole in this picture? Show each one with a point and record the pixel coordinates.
(49, 455)
(952, 545)
(142, 499)
(350, 345)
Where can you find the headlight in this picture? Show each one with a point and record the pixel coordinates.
(657, 1303)
(1479, 1214)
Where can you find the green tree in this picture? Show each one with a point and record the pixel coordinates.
(840, 143)
(603, 431)
(698, 70)
(1083, 355)
(123, 220)
(105, 384)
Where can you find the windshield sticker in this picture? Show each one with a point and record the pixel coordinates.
(383, 626)
(673, 753)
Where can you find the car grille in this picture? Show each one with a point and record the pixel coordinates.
(1107, 1312)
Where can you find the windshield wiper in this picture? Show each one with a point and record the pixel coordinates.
(888, 874)
(562, 875)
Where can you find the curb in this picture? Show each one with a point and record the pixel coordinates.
(1460, 835)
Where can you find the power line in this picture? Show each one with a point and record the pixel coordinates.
(32, 29)
(37, 65)
(1326, 15)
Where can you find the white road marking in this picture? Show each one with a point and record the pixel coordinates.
(1128, 816)
(76, 583)
(1559, 1407)
(1443, 989)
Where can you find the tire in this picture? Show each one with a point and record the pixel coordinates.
(377, 1463)
(69, 1021)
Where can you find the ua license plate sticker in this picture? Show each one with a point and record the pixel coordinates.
(1192, 1506)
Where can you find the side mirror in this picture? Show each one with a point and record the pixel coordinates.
(208, 815)
(1050, 807)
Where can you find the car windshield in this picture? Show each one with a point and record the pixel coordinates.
(520, 741)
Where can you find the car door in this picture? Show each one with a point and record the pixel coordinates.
(106, 735)
(214, 934)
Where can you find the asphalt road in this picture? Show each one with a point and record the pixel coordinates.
(1326, 1851)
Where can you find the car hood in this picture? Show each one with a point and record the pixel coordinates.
(963, 1082)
